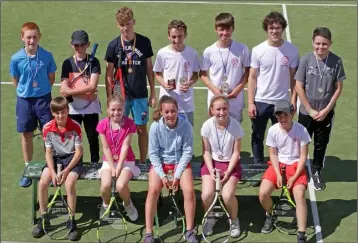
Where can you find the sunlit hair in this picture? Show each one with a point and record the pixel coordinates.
(163, 100)
(178, 25)
(274, 17)
(216, 98)
(124, 14)
(323, 32)
(58, 104)
(116, 98)
(29, 26)
(224, 20)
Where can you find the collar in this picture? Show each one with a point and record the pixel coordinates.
(70, 125)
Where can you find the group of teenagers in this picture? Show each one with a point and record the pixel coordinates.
(270, 71)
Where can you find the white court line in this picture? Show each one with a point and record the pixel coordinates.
(242, 3)
(311, 190)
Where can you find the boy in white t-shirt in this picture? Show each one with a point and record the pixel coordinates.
(273, 66)
(176, 69)
(225, 66)
(288, 147)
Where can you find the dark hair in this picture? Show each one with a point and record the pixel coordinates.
(165, 99)
(58, 104)
(215, 98)
(224, 20)
(178, 25)
(274, 17)
(322, 31)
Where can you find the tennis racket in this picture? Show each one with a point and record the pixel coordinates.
(112, 226)
(118, 85)
(172, 227)
(82, 79)
(217, 213)
(58, 217)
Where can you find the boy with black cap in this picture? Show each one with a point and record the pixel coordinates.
(288, 147)
(83, 98)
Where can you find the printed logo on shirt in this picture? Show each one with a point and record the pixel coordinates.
(235, 62)
(285, 60)
(186, 66)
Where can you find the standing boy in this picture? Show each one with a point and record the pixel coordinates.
(176, 69)
(229, 62)
(32, 70)
(82, 96)
(132, 53)
(273, 66)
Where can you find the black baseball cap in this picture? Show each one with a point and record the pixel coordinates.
(79, 37)
(283, 106)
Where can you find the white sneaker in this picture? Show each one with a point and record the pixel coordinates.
(208, 227)
(235, 228)
(131, 211)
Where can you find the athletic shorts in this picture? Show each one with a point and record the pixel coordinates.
(270, 174)
(167, 168)
(222, 166)
(127, 165)
(66, 160)
(139, 109)
(32, 111)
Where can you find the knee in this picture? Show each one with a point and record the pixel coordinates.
(227, 196)
(120, 186)
(105, 187)
(264, 195)
(189, 194)
(43, 185)
(299, 195)
(70, 186)
(154, 191)
(207, 196)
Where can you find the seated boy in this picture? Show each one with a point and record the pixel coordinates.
(288, 146)
(63, 141)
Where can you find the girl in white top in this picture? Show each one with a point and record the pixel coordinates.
(176, 69)
(222, 142)
(225, 66)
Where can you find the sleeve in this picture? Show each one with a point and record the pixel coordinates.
(52, 65)
(153, 150)
(205, 130)
(111, 54)
(101, 127)
(270, 139)
(246, 55)
(340, 74)
(158, 64)
(196, 63)
(78, 139)
(205, 61)
(14, 71)
(149, 51)
(47, 139)
(254, 62)
(96, 66)
(187, 151)
(66, 69)
(301, 71)
(295, 60)
(305, 138)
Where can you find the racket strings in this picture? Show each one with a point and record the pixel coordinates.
(285, 217)
(57, 222)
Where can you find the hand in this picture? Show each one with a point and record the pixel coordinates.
(65, 92)
(232, 95)
(184, 88)
(63, 175)
(152, 100)
(212, 174)
(54, 178)
(93, 96)
(175, 185)
(118, 170)
(166, 183)
(294, 104)
(252, 111)
(321, 115)
(113, 172)
(226, 177)
(313, 113)
(279, 181)
(216, 91)
(291, 181)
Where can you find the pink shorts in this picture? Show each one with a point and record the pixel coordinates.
(222, 166)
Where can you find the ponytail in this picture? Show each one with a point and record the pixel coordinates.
(165, 99)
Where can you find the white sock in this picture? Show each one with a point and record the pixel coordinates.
(105, 205)
(26, 164)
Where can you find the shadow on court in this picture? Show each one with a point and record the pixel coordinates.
(337, 170)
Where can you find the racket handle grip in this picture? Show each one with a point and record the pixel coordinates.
(217, 179)
(59, 168)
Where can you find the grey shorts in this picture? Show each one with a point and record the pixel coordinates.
(189, 116)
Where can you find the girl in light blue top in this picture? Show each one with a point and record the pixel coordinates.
(170, 152)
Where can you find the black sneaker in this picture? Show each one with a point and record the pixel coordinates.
(268, 226)
(38, 231)
(74, 235)
(318, 183)
(301, 237)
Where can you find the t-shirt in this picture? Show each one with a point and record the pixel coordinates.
(32, 72)
(273, 64)
(135, 83)
(222, 141)
(178, 65)
(233, 60)
(69, 69)
(319, 91)
(115, 138)
(288, 144)
(62, 142)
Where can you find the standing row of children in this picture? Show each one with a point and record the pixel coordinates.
(225, 69)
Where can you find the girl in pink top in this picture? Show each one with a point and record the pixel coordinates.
(116, 133)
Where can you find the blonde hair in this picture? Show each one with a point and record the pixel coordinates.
(115, 98)
(124, 14)
(165, 99)
(215, 98)
(58, 104)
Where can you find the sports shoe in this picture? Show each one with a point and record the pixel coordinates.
(149, 238)
(190, 237)
(74, 234)
(301, 237)
(268, 225)
(25, 182)
(131, 211)
(208, 227)
(102, 211)
(318, 183)
(235, 228)
(38, 231)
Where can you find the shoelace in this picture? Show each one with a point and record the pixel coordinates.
(317, 177)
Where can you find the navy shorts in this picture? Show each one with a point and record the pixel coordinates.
(65, 161)
(32, 111)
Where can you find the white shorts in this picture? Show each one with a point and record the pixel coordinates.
(127, 165)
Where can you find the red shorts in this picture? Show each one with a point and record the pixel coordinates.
(270, 174)
(222, 166)
(167, 168)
